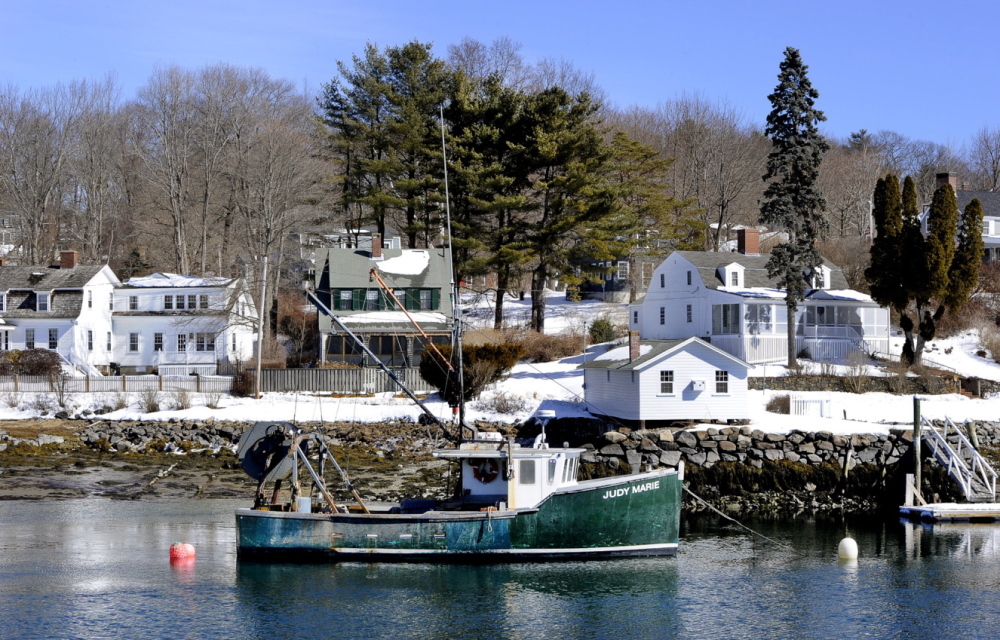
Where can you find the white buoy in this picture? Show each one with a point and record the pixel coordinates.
(848, 549)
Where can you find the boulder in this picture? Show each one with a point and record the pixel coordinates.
(634, 459)
(44, 438)
(648, 445)
(670, 458)
(685, 439)
(666, 436)
(614, 437)
(697, 459)
(612, 450)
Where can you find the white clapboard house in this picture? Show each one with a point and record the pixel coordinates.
(64, 307)
(665, 381)
(178, 325)
(729, 300)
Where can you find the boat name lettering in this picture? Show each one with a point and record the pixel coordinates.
(639, 488)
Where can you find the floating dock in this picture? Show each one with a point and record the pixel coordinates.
(953, 512)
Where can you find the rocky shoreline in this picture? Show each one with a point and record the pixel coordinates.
(731, 468)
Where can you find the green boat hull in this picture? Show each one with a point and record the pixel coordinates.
(636, 515)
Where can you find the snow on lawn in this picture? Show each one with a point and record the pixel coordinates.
(559, 386)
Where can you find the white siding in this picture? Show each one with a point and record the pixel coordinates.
(617, 397)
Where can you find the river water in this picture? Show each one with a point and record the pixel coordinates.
(100, 569)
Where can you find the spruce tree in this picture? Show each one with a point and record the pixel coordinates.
(885, 274)
(793, 200)
(964, 272)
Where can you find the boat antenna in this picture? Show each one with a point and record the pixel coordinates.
(456, 307)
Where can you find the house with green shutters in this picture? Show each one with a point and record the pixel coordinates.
(419, 283)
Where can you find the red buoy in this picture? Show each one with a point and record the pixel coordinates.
(181, 551)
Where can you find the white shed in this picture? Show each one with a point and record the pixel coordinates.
(666, 380)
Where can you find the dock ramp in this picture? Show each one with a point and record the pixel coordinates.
(952, 448)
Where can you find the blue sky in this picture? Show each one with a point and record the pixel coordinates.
(927, 70)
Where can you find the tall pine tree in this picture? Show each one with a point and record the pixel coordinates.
(793, 201)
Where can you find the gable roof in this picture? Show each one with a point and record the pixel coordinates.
(754, 269)
(348, 269)
(39, 278)
(659, 350)
(989, 199)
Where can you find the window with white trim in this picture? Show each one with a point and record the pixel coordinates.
(203, 301)
(192, 302)
(29, 338)
(635, 317)
(168, 303)
(663, 315)
(722, 382)
(526, 471)
(725, 319)
(689, 313)
(107, 346)
(41, 301)
(157, 342)
(133, 303)
(623, 270)
(689, 278)
(133, 342)
(734, 279)
(90, 299)
(179, 303)
(663, 281)
(666, 382)
(3, 301)
(90, 340)
(53, 339)
(182, 340)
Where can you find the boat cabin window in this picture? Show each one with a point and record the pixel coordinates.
(526, 471)
(569, 470)
(552, 470)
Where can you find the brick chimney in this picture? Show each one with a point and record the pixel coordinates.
(67, 259)
(376, 246)
(748, 241)
(633, 346)
(3, 261)
(948, 178)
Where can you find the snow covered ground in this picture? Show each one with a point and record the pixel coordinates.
(559, 386)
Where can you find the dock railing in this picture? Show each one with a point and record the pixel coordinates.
(962, 461)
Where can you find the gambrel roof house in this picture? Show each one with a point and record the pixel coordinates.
(667, 380)
(729, 300)
(65, 308)
(177, 325)
(420, 281)
(991, 212)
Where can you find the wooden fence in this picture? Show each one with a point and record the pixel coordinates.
(198, 384)
(352, 381)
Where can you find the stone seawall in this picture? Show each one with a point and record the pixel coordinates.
(907, 386)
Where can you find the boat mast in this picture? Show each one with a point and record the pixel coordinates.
(456, 307)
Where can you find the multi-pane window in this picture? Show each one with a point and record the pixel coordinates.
(663, 281)
(623, 270)
(90, 340)
(635, 317)
(426, 299)
(371, 298)
(663, 315)
(29, 338)
(192, 302)
(179, 300)
(725, 319)
(5, 340)
(203, 301)
(133, 342)
(111, 302)
(689, 313)
(346, 299)
(53, 339)
(722, 382)
(734, 279)
(42, 302)
(133, 303)
(689, 278)
(666, 382)
(90, 299)
(205, 342)
(818, 280)
(182, 341)
(758, 317)
(157, 342)
(168, 303)
(107, 346)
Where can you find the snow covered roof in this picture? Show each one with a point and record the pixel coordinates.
(175, 280)
(621, 353)
(839, 294)
(754, 292)
(394, 317)
(410, 262)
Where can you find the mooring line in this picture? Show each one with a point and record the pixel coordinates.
(738, 523)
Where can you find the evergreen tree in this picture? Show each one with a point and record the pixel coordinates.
(886, 272)
(652, 222)
(793, 201)
(964, 272)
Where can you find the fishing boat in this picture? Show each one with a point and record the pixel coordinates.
(515, 503)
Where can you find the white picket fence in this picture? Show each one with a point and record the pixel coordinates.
(94, 384)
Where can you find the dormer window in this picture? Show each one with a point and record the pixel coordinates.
(42, 302)
(734, 279)
(3, 302)
(821, 277)
(731, 275)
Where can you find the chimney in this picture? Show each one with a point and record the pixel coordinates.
(67, 259)
(948, 178)
(748, 241)
(966, 186)
(3, 261)
(633, 346)
(376, 246)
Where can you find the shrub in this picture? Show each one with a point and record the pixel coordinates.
(243, 384)
(989, 340)
(12, 399)
(779, 404)
(30, 362)
(213, 400)
(149, 401)
(482, 366)
(504, 403)
(544, 348)
(601, 330)
(181, 399)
